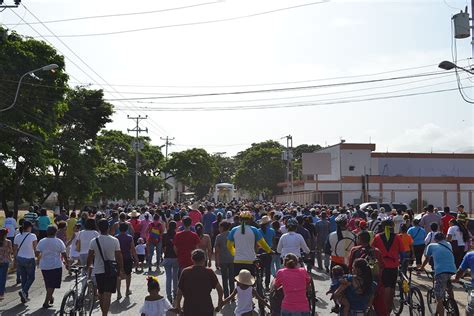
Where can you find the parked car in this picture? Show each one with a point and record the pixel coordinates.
(388, 206)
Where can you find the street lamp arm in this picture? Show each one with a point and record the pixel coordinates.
(44, 68)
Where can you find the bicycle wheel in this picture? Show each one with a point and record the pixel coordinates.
(88, 298)
(312, 298)
(431, 301)
(417, 306)
(260, 291)
(399, 299)
(68, 304)
(451, 307)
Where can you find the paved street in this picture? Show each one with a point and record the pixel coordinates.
(130, 306)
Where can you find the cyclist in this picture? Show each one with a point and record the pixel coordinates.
(341, 242)
(444, 268)
(292, 242)
(467, 263)
(241, 244)
(390, 246)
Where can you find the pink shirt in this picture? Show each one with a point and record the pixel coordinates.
(294, 282)
(143, 228)
(195, 216)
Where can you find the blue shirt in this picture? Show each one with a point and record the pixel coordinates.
(268, 235)
(357, 302)
(468, 263)
(332, 223)
(207, 219)
(316, 219)
(443, 257)
(418, 234)
(43, 222)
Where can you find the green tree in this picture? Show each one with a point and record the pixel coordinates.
(194, 168)
(27, 126)
(298, 152)
(260, 168)
(227, 167)
(151, 166)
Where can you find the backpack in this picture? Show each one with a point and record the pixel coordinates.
(368, 254)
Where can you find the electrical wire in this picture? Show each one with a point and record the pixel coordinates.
(347, 83)
(240, 17)
(290, 105)
(120, 14)
(454, 55)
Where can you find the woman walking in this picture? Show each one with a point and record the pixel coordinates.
(6, 251)
(84, 239)
(170, 262)
(50, 250)
(418, 234)
(458, 236)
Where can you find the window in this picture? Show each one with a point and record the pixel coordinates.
(351, 168)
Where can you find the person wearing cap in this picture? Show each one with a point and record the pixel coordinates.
(245, 293)
(241, 243)
(444, 267)
(268, 234)
(195, 285)
(24, 248)
(341, 233)
(135, 222)
(292, 242)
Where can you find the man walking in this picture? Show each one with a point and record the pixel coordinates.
(103, 252)
(195, 285)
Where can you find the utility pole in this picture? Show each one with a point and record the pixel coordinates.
(168, 142)
(288, 156)
(136, 144)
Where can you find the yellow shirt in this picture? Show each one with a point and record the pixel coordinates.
(70, 227)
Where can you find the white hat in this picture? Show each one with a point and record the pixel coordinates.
(264, 220)
(245, 277)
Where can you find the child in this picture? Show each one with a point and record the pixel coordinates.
(155, 304)
(245, 293)
(408, 252)
(337, 274)
(61, 233)
(140, 248)
(71, 245)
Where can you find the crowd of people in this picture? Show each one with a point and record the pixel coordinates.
(361, 250)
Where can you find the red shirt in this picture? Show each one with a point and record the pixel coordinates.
(391, 256)
(445, 222)
(185, 242)
(196, 216)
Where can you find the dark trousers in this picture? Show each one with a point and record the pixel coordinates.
(227, 274)
(241, 266)
(267, 267)
(419, 249)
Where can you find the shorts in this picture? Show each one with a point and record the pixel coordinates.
(389, 277)
(442, 282)
(128, 266)
(106, 284)
(52, 278)
(141, 258)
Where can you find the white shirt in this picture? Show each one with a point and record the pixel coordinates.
(244, 301)
(346, 245)
(430, 238)
(10, 224)
(155, 308)
(26, 250)
(74, 253)
(51, 249)
(85, 237)
(292, 242)
(109, 246)
(456, 234)
(140, 249)
(397, 222)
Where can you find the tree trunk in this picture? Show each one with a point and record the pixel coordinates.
(19, 174)
(151, 193)
(3, 199)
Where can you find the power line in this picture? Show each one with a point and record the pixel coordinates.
(296, 105)
(118, 14)
(347, 83)
(194, 23)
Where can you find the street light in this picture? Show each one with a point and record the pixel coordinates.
(447, 65)
(44, 68)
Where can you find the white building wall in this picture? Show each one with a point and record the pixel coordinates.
(426, 167)
(358, 158)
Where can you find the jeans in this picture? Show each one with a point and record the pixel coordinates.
(171, 268)
(3, 277)
(267, 264)
(275, 264)
(27, 272)
(151, 249)
(288, 313)
(320, 257)
(227, 274)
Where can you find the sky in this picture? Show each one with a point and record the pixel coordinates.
(310, 45)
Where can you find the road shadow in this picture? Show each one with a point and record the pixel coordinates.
(19, 309)
(118, 307)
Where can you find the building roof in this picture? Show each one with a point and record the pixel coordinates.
(424, 155)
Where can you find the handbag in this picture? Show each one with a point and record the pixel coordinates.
(110, 266)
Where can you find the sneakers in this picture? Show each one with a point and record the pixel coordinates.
(23, 297)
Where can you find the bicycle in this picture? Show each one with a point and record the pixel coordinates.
(259, 283)
(311, 292)
(470, 296)
(408, 294)
(81, 297)
(449, 303)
